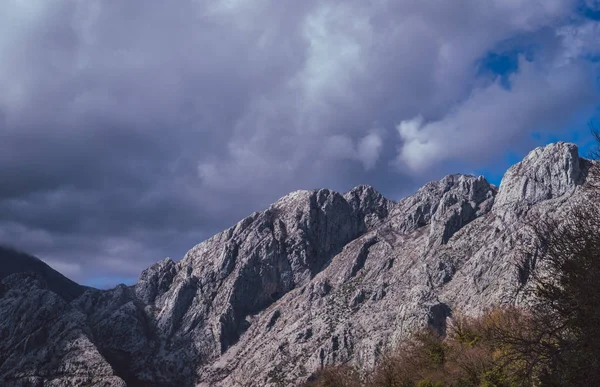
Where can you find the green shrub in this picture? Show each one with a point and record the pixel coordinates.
(496, 377)
(429, 383)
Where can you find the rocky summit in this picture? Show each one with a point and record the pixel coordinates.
(318, 278)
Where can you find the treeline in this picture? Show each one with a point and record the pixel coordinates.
(554, 341)
(472, 354)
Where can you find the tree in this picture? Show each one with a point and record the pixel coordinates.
(561, 346)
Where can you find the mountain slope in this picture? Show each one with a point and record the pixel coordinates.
(321, 278)
(13, 261)
(44, 341)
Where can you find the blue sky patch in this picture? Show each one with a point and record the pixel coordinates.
(589, 12)
(503, 63)
(107, 282)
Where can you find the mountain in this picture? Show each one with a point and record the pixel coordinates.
(317, 278)
(13, 261)
(43, 340)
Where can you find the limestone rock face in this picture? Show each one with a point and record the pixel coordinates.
(546, 173)
(317, 278)
(368, 205)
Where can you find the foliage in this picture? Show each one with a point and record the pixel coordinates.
(468, 357)
(563, 345)
(336, 376)
(429, 383)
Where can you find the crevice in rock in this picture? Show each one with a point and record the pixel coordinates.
(361, 258)
(436, 319)
(525, 268)
(184, 298)
(274, 317)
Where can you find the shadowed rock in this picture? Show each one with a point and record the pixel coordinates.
(13, 261)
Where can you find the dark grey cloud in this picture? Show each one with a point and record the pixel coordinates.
(130, 131)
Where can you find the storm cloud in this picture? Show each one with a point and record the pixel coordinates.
(130, 131)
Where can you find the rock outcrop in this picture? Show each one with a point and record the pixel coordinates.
(546, 173)
(317, 278)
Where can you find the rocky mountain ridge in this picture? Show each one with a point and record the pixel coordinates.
(13, 261)
(317, 278)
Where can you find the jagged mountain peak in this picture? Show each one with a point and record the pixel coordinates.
(456, 181)
(369, 205)
(545, 173)
(448, 204)
(307, 200)
(363, 190)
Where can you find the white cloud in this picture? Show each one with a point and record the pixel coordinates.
(494, 118)
(335, 36)
(369, 149)
(417, 150)
(579, 41)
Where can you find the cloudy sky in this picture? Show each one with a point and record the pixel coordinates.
(132, 130)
